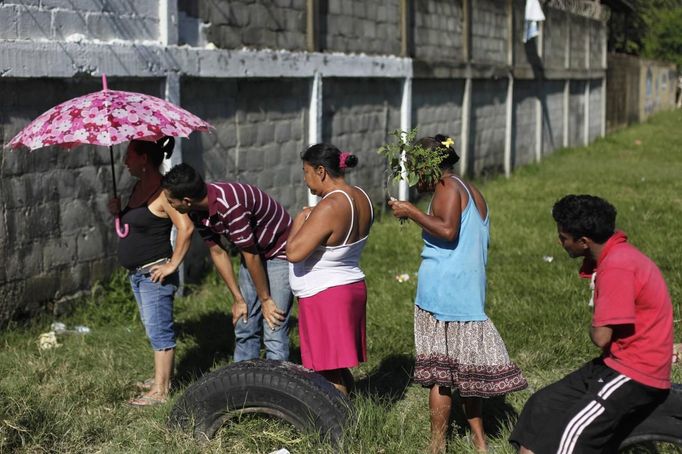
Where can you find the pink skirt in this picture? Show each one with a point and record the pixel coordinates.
(331, 327)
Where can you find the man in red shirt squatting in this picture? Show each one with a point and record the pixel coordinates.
(259, 227)
(632, 323)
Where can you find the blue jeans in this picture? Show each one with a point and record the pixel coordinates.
(248, 334)
(155, 302)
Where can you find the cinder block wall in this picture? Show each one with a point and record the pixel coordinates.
(381, 67)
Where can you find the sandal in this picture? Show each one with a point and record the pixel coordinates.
(145, 385)
(148, 400)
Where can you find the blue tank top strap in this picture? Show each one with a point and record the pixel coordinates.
(352, 212)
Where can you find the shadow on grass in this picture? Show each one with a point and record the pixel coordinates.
(497, 415)
(214, 337)
(389, 380)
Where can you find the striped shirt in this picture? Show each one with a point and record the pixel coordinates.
(246, 216)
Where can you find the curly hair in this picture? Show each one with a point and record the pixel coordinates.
(183, 181)
(585, 215)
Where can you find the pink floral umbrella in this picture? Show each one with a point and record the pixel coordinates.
(108, 117)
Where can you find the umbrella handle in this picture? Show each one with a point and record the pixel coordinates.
(121, 232)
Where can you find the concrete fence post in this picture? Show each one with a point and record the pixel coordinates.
(405, 125)
(315, 121)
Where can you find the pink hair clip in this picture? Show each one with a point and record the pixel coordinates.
(342, 159)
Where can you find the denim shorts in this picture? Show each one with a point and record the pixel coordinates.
(155, 301)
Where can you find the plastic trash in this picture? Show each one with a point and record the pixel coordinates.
(47, 341)
(281, 451)
(402, 277)
(81, 329)
(61, 328)
(548, 258)
(58, 327)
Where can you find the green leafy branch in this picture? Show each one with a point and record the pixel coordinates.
(421, 164)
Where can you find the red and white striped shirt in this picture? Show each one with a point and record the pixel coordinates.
(246, 216)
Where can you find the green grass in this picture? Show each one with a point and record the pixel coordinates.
(70, 399)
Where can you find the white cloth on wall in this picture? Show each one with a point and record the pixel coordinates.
(533, 15)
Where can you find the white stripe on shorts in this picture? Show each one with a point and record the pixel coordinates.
(587, 415)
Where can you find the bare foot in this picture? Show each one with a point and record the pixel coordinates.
(437, 446)
(480, 443)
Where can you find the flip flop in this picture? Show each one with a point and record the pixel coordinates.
(146, 400)
(145, 385)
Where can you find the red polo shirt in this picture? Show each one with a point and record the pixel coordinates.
(630, 296)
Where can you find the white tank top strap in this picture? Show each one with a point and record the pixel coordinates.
(371, 208)
(352, 212)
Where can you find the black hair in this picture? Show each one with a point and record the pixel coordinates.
(329, 157)
(155, 151)
(585, 215)
(183, 181)
(438, 143)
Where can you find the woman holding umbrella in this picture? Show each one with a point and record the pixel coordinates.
(146, 252)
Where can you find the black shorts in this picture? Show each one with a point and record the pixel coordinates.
(588, 411)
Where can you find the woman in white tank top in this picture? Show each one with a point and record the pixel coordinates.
(324, 247)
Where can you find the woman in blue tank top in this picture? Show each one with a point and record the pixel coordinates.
(145, 250)
(457, 346)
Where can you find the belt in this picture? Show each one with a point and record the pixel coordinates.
(147, 268)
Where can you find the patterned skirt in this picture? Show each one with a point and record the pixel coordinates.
(468, 356)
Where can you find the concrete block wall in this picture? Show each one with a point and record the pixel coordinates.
(579, 37)
(359, 26)
(438, 30)
(276, 24)
(525, 107)
(103, 20)
(488, 126)
(576, 116)
(552, 115)
(595, 108)
(597, 32)
(437, 107)
(358, 117)
(489, 31)
(260, 104)
(260, 133)
(56, 232)
(555, 31)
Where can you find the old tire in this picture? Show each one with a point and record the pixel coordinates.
(277, 389)
(663, 425)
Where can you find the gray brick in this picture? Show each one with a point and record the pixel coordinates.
(282, 132)
(9, 18)
(76, 5)
(68, 23)
(59, 251)
(75, 215)
(90, 245)
(266, 134)
(24, 261)
(109, 26)
(35, 24)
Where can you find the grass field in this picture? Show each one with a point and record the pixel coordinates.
(71, 399)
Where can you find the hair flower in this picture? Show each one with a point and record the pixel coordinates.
(448, 142)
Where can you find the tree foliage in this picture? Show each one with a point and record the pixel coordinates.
(652, 30)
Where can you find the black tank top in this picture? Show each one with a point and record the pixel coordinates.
(148, 238)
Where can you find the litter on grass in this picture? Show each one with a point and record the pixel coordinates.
(61, 328)
(548, 258)
(47, 341)
(402, 277)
